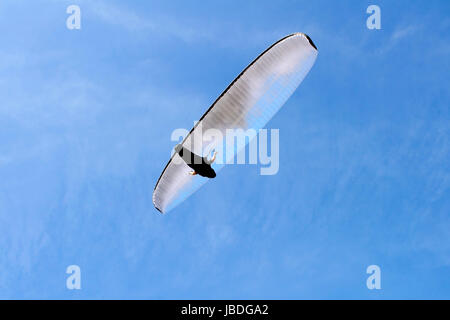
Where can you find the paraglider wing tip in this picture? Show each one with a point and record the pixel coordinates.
(302, 35)
(155, 205)
(160, 211)
(311, 42)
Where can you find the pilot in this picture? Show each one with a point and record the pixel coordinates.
(199, 165)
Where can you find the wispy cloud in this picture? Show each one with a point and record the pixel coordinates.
(402, 32)
(186, 28)
(158, 24)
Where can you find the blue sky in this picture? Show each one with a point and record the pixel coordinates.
(85, 123)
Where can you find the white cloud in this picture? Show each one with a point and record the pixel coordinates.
(403, 32)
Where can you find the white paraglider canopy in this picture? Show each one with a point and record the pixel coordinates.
(249, 102)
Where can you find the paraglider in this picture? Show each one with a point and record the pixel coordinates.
(249, 102)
